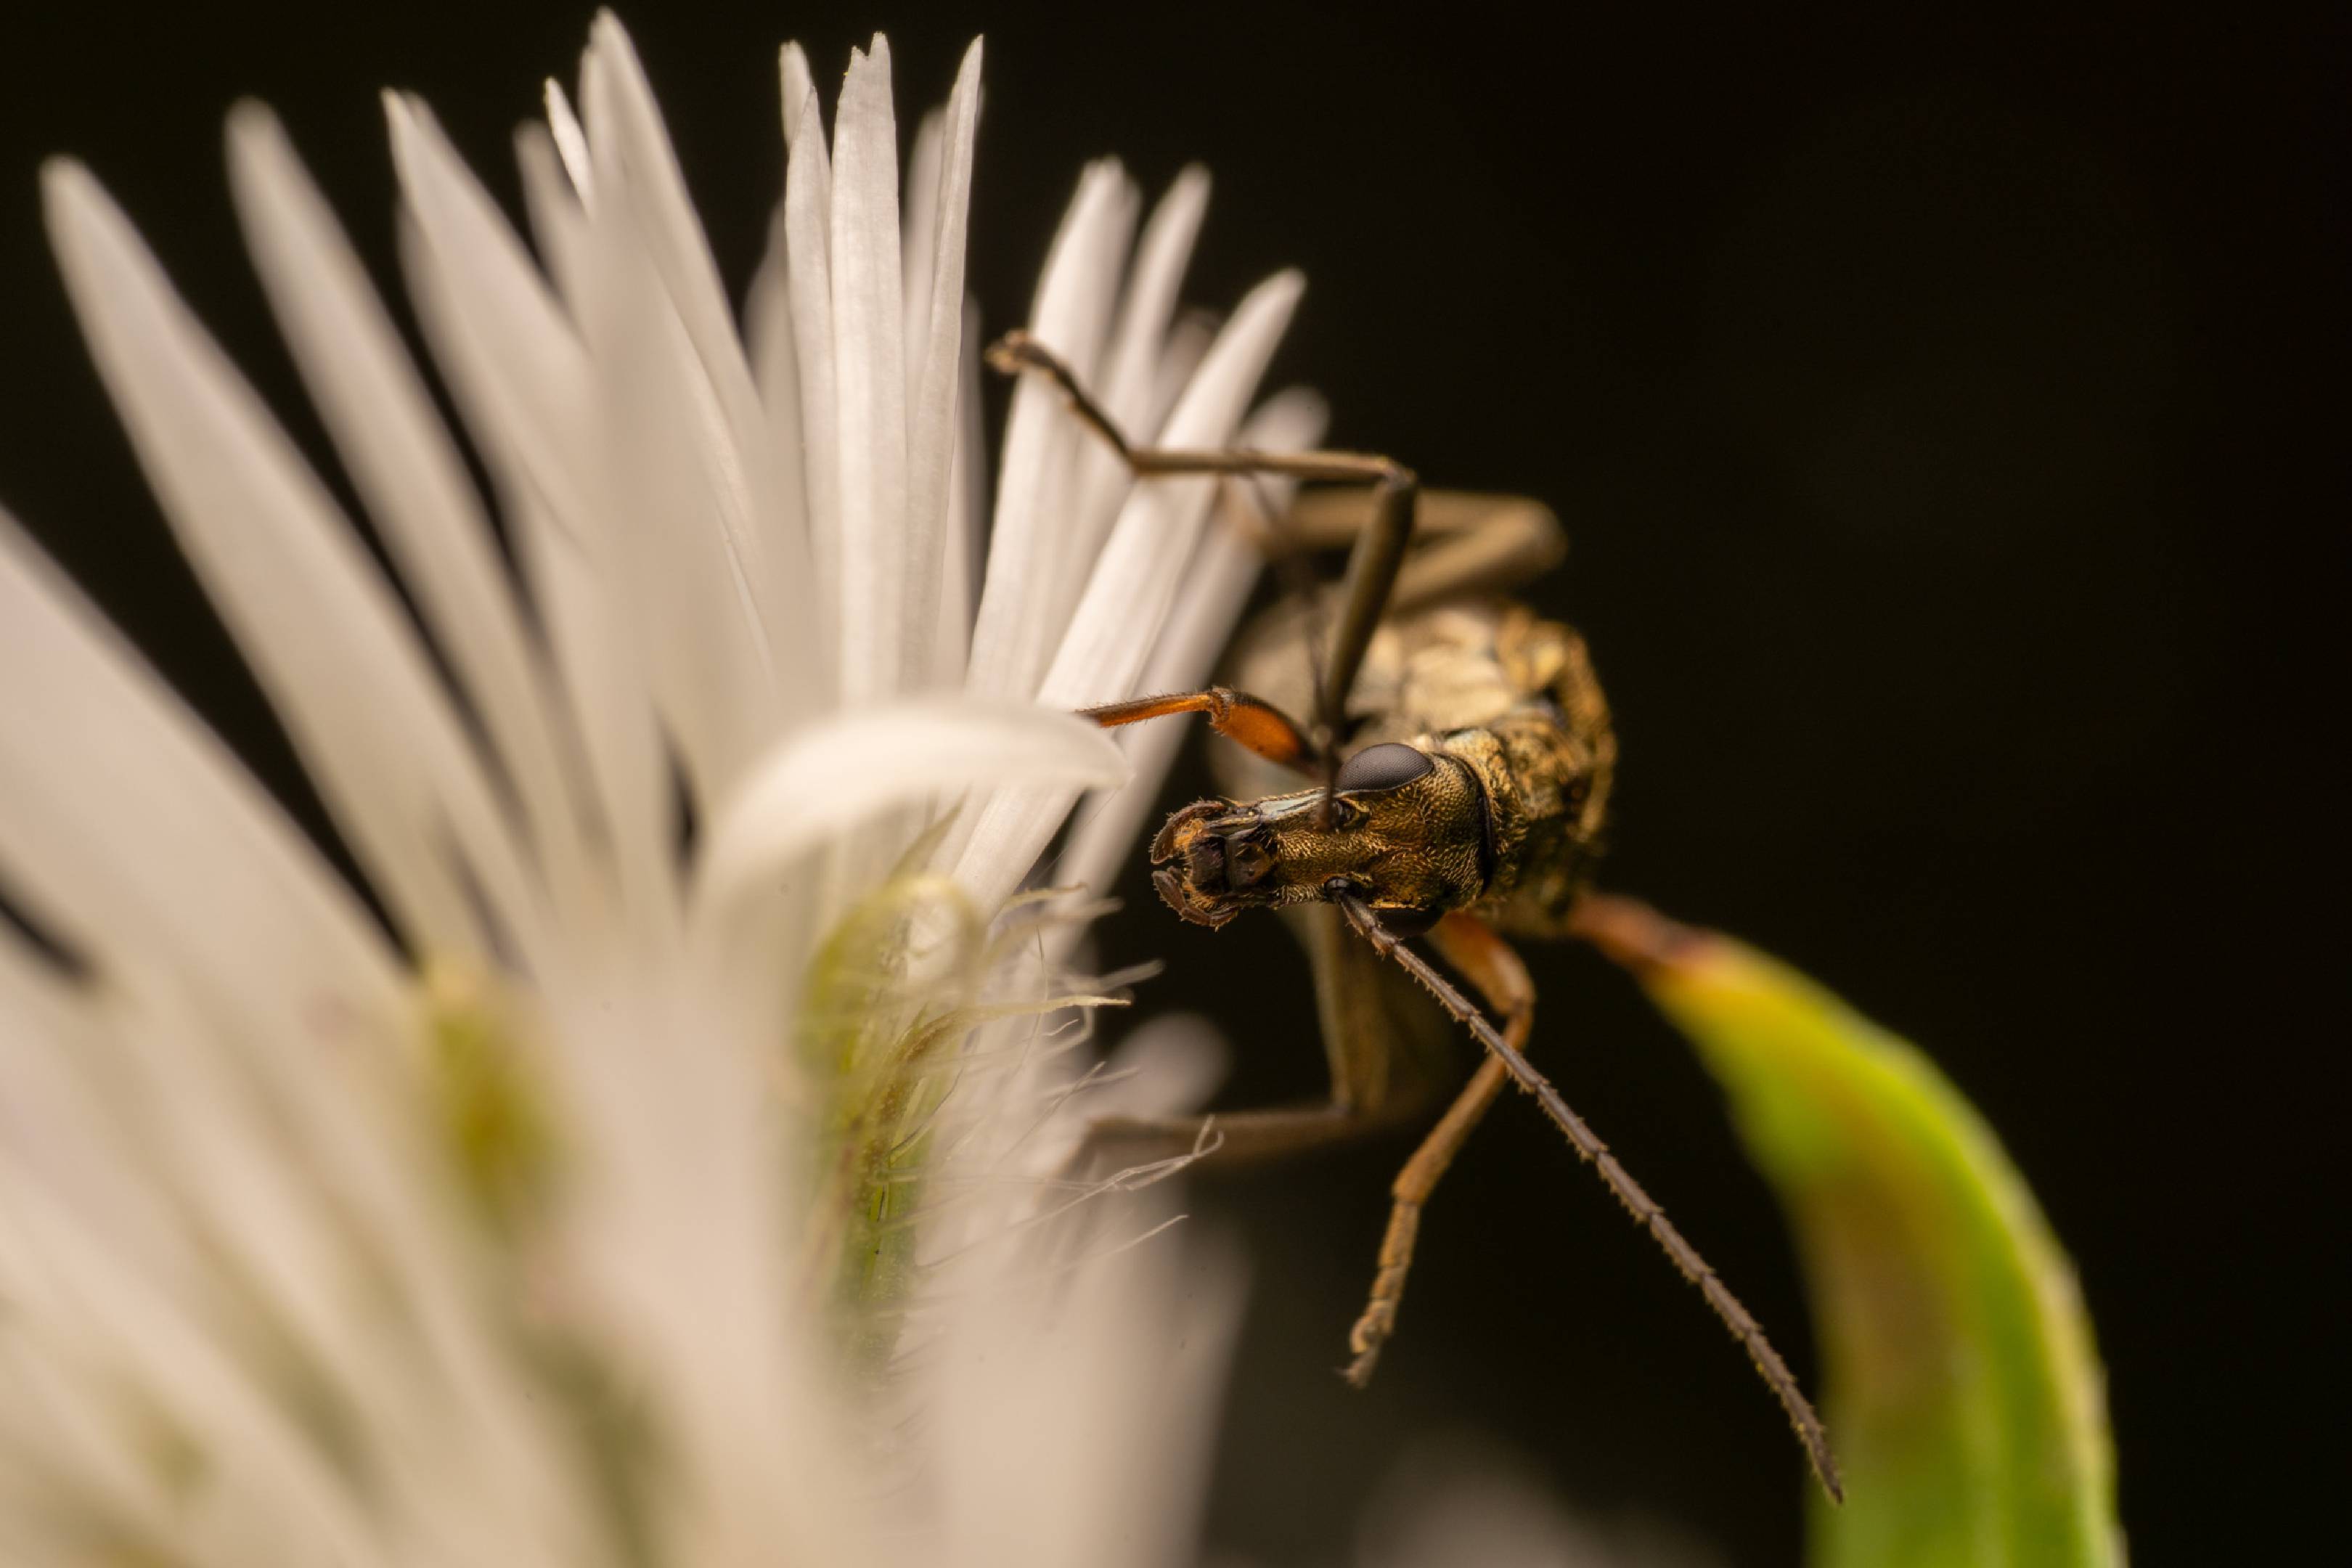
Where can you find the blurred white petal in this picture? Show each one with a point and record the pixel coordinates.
(406, 467)
(869, 372)
(321, 629)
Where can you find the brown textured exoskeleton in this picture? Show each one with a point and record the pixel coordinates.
(1457, 773)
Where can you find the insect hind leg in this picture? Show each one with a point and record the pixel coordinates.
(1464, 541)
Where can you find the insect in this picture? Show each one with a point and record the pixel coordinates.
(1450, 787)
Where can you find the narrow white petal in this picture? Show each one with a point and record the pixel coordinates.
(571, 142)
(406, 467)
(1014, 637)
(1188, 344)
(808, 221)
(799, 90)
(522, 365)
(938, 350)
(1128, 381)
(877, 571)
(967, 507)
(559, 220)
(320, 627)
(1161, 256)
(919, 203)
(776, 370)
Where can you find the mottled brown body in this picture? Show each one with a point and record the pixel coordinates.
(1493, 686)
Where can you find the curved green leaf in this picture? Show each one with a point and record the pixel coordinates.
(1964, 1393)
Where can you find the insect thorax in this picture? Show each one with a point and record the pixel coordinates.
(1510, 694)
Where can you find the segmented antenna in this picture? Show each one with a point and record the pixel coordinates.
(1639, 1204)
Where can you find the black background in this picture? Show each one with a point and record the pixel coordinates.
(1937, 406)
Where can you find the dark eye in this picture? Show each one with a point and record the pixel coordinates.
(1384, 766)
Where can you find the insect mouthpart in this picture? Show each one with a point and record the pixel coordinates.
(1211, 855)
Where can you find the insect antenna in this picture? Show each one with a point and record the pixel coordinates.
(1639, 1204)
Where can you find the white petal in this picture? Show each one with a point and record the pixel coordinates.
(1014, 637)
(877, 571)
(626, 129)
(808, 201)
(559, 220)
(485, 280)
(967, 508)
(1160, 259)
(799, 90)
(319, 626)
(919, 207)
(571, 142)
(935, 373)
(776, 371)
(1128, 381)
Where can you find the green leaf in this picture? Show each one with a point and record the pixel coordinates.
(1964, 1393)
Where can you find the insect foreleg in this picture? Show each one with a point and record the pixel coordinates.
(1686, 1258)
(1258, 725)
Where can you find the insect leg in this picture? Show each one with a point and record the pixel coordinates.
(1236, 715)
(1372, 563)
(1639, 1204)
(1383, 1067)
(1490, 966)
(1464, 541)
(1225, 1138)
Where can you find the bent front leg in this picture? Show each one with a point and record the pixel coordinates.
(1258, 725)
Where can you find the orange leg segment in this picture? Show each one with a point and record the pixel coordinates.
(1236, 715)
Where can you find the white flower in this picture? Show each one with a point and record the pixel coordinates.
(622, 1203)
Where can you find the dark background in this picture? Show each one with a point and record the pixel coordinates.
(1937, 406)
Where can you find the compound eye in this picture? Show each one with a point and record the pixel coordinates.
(1388, 765)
